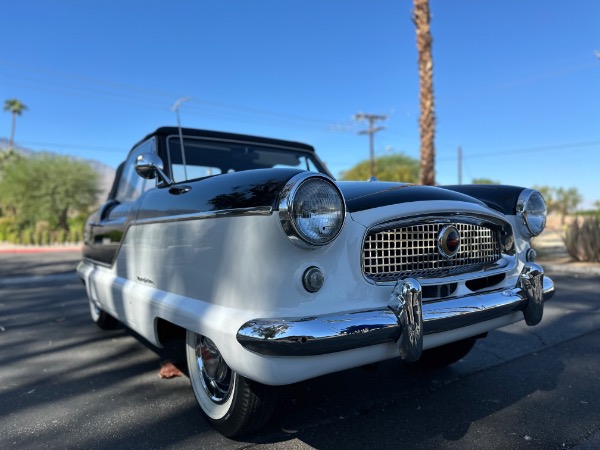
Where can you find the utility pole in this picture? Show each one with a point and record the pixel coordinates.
(460, 164)
(372, 118)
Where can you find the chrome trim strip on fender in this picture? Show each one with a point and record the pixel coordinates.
(319, 335)
(237, 212)
(255, 211)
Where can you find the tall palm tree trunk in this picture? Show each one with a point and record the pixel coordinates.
(427, 120)
(16, 108)
(12, 130)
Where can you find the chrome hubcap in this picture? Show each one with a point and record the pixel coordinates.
(216, 376)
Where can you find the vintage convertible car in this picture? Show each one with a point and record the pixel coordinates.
(274, 273)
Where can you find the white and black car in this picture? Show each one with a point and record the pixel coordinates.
(276, 273)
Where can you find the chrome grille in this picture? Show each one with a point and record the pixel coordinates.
(413, 251)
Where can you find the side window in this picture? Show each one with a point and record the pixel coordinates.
(131, 185)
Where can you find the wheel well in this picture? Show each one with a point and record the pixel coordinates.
(167, 332)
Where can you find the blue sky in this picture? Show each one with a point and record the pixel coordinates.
(517, 82)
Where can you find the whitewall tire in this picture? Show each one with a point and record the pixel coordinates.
(234, 405)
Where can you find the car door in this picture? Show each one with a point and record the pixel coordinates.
(108, 236)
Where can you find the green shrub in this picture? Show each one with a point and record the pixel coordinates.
(583, 239)
(8, 227)
(27, 237)
(589, 212)
(41, 226)
(61, 236)
(78, 221)
(74, 236)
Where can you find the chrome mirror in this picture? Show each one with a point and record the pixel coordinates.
(150, 166)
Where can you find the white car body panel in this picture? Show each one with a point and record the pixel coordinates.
(209, 277)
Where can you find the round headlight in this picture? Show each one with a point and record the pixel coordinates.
(311, 210)
(531, 212)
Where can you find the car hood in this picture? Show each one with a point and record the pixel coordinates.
(363, 195)
(262, 188)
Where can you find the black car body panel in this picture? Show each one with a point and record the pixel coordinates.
(500, 197)
(361, 196)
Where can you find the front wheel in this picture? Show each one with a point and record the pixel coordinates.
(102, 318)
(234, 405)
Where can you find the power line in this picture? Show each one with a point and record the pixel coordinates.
(199, 108)
(128, 89)
(75, 92)
(73, 146)
(574, 145)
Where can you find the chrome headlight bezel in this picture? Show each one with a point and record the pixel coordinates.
(288, 209)
(531, 214)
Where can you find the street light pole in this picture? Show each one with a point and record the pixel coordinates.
(176, 109)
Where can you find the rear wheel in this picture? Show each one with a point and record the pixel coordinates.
(102, 318)
(446, 354)
(234, 405)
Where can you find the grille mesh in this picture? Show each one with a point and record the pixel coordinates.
(413, 251)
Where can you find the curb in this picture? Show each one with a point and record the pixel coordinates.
(570, 269)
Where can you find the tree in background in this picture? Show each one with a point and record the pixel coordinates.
(7, 156)
(560, 200)
(485, 181)
(549, 197)
(421, 17)
(567, 201)
(47, 188)
(395, 167)
(16, 108)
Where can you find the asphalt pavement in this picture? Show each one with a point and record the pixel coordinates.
(21, 267)
(64, 383)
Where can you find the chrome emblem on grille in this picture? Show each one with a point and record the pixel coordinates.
(448, 242)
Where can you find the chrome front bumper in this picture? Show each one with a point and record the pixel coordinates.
(405, 321)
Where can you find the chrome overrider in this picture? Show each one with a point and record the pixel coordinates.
(405, 321)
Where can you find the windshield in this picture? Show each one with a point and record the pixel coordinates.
(204, 158)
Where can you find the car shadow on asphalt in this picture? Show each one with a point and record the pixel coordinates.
(395, 404)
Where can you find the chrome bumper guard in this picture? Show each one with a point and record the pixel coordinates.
(405, 321)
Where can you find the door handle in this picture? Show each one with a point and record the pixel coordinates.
(178, 190)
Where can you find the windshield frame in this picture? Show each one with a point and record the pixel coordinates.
(172, 143)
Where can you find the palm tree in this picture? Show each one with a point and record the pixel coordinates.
(421, 18)
(16, 108)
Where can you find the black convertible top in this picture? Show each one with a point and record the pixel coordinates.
(221, 135)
